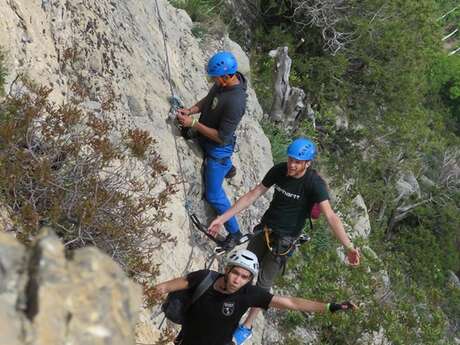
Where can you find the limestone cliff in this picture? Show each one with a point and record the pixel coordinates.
(117, 47)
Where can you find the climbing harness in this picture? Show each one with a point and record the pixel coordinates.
(293, 245)
(282, 248)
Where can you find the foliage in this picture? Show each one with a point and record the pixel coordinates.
(407, 314)
(398, 89)
(445, 81)
(199, 10)
(63, 167)
(278, 140)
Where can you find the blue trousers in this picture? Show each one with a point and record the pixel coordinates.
(214, 174)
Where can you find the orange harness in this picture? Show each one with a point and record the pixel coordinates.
(267, 232)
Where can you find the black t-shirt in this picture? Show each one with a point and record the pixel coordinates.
(223, 108)
(213, 318)
(292, 200)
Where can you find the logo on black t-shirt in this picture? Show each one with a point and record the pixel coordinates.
(286, 193)
(214, 103)
(228, 308)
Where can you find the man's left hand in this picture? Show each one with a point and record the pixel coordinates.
(353, 256)
(185, 120)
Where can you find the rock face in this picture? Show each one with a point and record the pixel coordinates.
(244, 15)
(46, 298)
(358, 218)
(114, 49)
(111, 47)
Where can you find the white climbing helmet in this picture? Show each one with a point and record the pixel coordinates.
(245, 259)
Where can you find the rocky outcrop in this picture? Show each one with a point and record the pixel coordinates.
(358, 218)
(48, 298)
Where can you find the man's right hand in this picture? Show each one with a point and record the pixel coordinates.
(353, 256)
(215, 226)
(346, 306)
(183, 111)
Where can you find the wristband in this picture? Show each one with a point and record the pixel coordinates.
(333, 307)
(328, 307)
(194, 122)
(349, 246)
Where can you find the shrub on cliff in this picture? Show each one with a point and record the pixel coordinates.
(71, 169)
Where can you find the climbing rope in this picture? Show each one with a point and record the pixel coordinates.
(163, 33)
(176, 104)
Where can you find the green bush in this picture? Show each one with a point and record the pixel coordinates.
(199, 10)
(398, 89)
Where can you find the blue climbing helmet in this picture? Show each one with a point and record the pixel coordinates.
(222, 63)
(302, 149)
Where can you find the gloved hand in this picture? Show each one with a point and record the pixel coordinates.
(348, 305)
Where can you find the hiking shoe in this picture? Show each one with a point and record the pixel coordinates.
(241, 335)
(231, 241)
(231, 173)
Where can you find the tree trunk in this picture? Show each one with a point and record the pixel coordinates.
(288, 102)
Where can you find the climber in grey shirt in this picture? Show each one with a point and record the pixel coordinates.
(221, 112)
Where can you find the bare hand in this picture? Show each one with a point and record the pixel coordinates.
(157, 293)
(353, 256)
(348, 305)
(183, 111)
(184, 120)
(215, 226)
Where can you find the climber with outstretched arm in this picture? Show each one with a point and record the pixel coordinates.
(213, 317)
(221, 112)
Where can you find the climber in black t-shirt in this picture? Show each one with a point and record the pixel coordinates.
(213, 317)
(297, 188)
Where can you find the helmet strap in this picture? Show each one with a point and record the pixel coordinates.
(307, 165)
(225, 282)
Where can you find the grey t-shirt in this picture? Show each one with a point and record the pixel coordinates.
(223, 108)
